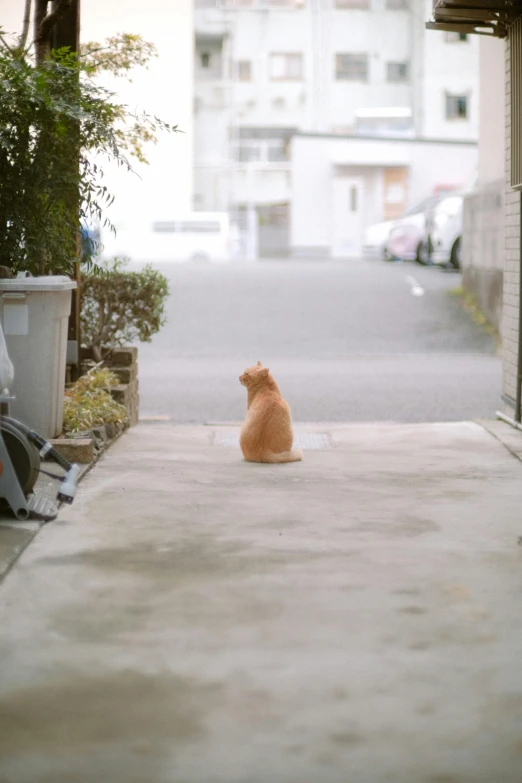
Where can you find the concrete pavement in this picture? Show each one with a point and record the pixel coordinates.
(354, 618)
(346, 341)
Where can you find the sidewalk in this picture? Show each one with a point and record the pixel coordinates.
(354, 618)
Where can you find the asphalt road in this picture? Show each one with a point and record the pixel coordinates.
(357, 341)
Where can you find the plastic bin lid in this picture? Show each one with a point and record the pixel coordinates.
(44, 283)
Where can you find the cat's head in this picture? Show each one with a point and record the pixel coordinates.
(254, 376)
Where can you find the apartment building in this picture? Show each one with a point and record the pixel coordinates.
(266, 70)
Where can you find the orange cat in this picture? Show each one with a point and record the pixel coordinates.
(266, 435)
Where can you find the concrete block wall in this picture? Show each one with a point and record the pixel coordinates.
(124, 363)
(511, 265)
(483, 248)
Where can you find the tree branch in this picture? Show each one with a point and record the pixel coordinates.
(25, 26)
(5, 45)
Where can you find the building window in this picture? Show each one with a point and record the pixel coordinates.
(286, 67)
(455, 37)
(353, 199)
(352, 4)
(264, 145)
(255, 4)
(282, 3)
(248, 153)
(397, 5)
(208, 60)
(262, 151)
(351, 67)
(397, 72)
(244, 70)
(457, 107)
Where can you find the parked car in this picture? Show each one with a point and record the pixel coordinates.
(376, 238)
(198, 236)
(409, 238)
(446, 234)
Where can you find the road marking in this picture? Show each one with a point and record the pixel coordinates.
(415, 287)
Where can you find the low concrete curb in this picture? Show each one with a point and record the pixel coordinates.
(79, 450)
(510, 437)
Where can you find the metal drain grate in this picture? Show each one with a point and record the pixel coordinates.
(305, 440)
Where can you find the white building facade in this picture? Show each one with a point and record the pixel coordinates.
(342, 184)
(268, 69)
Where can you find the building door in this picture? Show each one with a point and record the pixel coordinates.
(274, 224)
(395, 192)
(347, 216)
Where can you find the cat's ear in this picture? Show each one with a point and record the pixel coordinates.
(264, 372)
(259, 364)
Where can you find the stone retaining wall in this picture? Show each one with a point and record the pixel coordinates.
(124, 363)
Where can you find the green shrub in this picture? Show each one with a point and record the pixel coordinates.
(88, 404)
(120, 307)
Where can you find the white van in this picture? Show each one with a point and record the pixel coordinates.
(196, 236)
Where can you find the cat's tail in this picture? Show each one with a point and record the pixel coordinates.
(296, 455)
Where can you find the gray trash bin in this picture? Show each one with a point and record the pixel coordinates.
(35, 317)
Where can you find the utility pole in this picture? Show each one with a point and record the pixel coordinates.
(66, 33)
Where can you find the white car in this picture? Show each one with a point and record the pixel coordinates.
(446, 233)
(376, 238)
(409, 239)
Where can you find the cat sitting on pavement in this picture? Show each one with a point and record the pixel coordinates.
(266, 435)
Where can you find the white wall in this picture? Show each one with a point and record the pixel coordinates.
(384, 34)
(449, 68)
(255, 36)
(492, 153)
(262, 186)
(315, 162)
(318, 102)
(311, 203)
(314, 159)
(435, 165)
